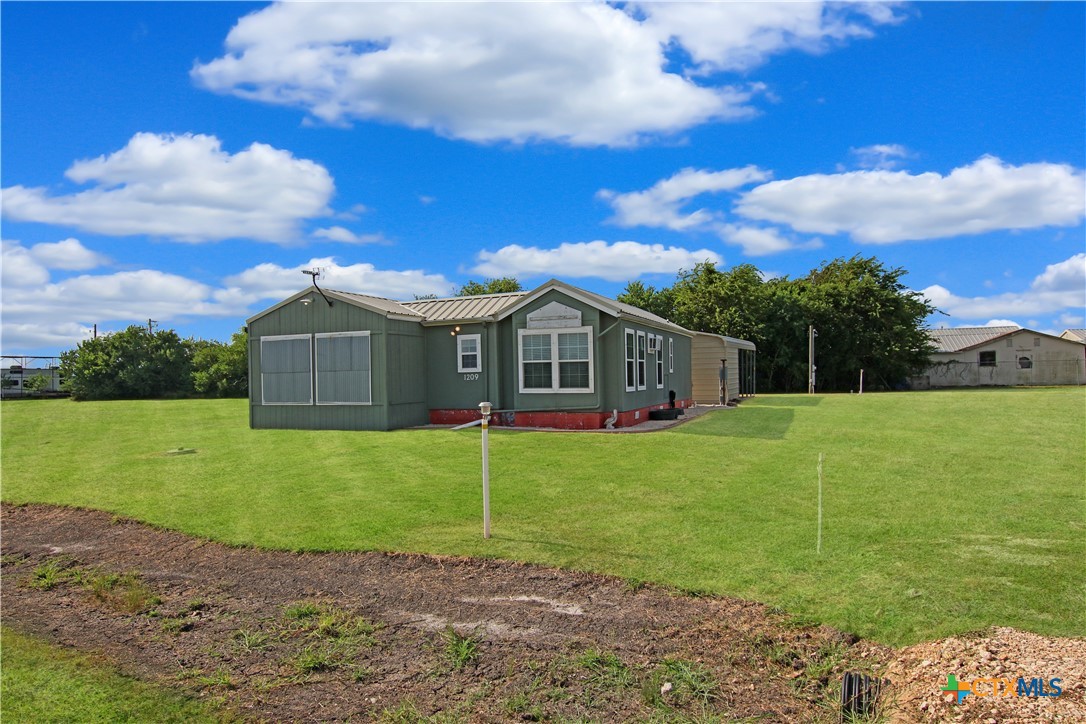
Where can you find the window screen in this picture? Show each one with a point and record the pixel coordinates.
(286, 370)
(536, 360)
(343, 369)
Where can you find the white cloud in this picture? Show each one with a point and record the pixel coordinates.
(61, 313)
(739, 36)
(617, 261)
(1059, 289)
(39, 313)
(579, 73)
(881, 156)
(759, 241)
(20, 268)
(346, 236)
(68, 254)
(883, 207)
(661, 204)
(184, 188)
(272, 281)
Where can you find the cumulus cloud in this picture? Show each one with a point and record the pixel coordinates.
(39, 313)
(186, 188)
(346, 236)
(883, 207)
(1060, 288)
(661, 204)
(585, 74)
(272, 281)
(761, 241)
(617, 261)
(740, 36)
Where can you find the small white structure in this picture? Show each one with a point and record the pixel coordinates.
(1002, 356)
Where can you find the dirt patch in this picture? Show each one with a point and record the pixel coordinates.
(328, 637)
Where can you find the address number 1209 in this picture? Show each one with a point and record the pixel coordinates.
(471, 377)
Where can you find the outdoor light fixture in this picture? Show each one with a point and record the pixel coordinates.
(307, 301)
(484, 407)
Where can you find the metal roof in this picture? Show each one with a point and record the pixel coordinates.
(388, 306)
(1078, 335)
(455, 309)
(956, 339)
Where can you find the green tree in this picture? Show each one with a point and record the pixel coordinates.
(659, 302)
(865, 317)
(221, 369)
(130, 364)
(36, 384)
(490, 286)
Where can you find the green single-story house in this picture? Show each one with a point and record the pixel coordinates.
(555, 356)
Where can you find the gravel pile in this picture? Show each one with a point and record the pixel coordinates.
(919, 672)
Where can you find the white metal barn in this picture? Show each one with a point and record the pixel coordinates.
(1002, 356)
(721, 368)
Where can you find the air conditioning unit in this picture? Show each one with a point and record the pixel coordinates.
(652, 345)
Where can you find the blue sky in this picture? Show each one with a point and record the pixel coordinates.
(185, 161)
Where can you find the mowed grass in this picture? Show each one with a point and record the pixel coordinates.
(944, 511)
(44, 683)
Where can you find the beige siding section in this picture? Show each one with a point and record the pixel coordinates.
(707, 351)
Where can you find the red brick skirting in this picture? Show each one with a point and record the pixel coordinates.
(556, 419)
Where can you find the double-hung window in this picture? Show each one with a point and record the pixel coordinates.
(468, 357)
(986, 358)
(631, 360)
(642, 373)
(670, 354)
(558, 360)
(286, 370)
(659, 362)
(343, 368)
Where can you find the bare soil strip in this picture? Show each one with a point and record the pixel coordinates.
(329, 637)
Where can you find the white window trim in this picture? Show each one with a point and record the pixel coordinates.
(630, 333)
(555, 375)
(460, 353)
(659, 362)
(670, 354)
(369, 379)
(642, 371)
(312, 366)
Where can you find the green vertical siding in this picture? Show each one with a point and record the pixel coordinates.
(448, 388)
(573, 401)
(318, 317)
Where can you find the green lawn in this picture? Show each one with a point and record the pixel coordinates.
(43, 683)
(944, 512)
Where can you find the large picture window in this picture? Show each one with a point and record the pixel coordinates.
(343, 368)
(468, 356)
(631, 360)
(286, 370)
(986, 359)
(556, 360)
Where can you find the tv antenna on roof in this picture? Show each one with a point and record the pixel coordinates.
(316, 273)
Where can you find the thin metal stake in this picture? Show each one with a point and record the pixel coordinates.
(819, 546)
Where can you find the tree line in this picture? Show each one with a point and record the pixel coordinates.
(864, 316)
(138, 363)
